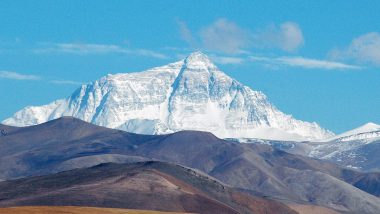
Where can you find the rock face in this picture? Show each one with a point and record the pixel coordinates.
(192, 94)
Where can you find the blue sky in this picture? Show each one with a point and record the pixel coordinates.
(317, 60)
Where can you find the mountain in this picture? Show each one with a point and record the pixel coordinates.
(5, 130)
(75, 210)
(145, 185)
(191, 94)
(68, 143)
(357, 148)
(367, 131)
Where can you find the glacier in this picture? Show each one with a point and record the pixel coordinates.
(191, 94)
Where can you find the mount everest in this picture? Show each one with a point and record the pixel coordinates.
(191, 94)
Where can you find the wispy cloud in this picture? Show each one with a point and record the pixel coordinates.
(81, 48)
(365, 48)
(66, 82)
(224, 60)
(288, 36)
(185, 33)
(304, 63)
(17, 76)
(148, 53)
(226, 36)
(88, 48)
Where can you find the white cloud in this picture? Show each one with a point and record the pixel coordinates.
(365, 48)
(87, 48)
(148, 53)
(224, 35)
(17, 76)
(314, 63)
(304, 63)
(66, 82)
(288, 37)
(81, 48)
(185, 32)
(291, 36)
(224, 60)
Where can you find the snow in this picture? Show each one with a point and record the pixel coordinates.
(348, 148)
(366, 131)
(191, 94)
(352, 149)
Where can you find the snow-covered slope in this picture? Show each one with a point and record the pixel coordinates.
(367, 131)
(190, 94)
(357, 148)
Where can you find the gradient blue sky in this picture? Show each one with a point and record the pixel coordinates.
(317, 60)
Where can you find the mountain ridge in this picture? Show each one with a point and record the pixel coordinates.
(68, 143)
(191, 94)
(147, 185)
(366, 131)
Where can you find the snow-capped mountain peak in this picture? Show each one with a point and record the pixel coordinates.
(198, 60)
(356, 148)
(189, 94)
(368, 127)
(364, 132)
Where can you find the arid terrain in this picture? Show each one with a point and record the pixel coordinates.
(75, 210)
(145, 185)
(259, 170)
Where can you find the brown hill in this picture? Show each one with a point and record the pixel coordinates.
(145, 185)
(74, 210)
(260, 170)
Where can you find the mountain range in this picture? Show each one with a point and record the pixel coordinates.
(184, 137)
(191, 94)
(357, 148)
(259, 170)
